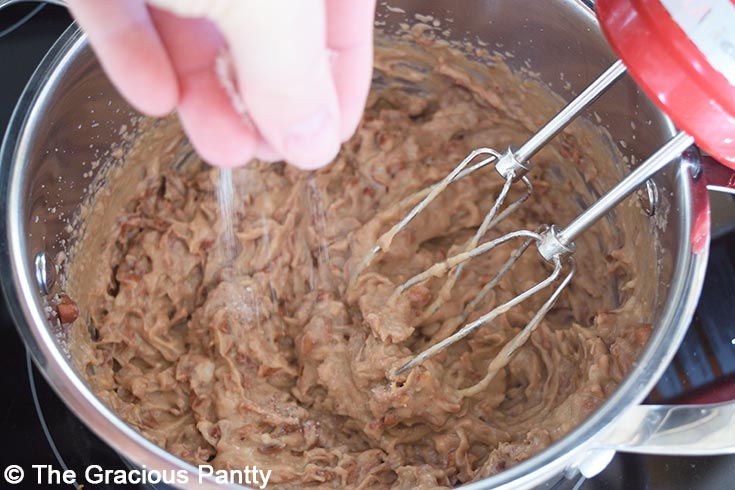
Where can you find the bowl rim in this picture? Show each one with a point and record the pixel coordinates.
(18, 283)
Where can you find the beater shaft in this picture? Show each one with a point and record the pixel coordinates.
(571, 111)
(515, 160)
(564, 239)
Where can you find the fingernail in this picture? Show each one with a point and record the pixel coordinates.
(313, 141)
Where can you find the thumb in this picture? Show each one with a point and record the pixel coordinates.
(280, 53)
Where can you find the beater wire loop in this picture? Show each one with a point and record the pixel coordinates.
(487, 317)
(426, 196)
(488, 224)
(509, 349)
(441, 268)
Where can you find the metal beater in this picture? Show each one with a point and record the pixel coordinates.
(555, 245)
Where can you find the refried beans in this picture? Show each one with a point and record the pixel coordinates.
(260, 354)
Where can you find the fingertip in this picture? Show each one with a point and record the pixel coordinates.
(305, 131)
(350, 36)
(219, 137)
(352, 72)
(224, 157)
(289, 93)
(265, 152)
(154, 92)
(227, 151)
(312, 142)
(315, 162)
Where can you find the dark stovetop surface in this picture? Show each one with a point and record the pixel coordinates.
(36, 428)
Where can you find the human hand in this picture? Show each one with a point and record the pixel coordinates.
(303, 69)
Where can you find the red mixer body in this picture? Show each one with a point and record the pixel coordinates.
(682, 54)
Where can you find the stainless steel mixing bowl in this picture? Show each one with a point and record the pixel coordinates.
(69, 115)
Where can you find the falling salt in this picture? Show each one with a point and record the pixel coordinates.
(226, 199)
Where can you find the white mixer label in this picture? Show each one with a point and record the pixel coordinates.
(710, 24)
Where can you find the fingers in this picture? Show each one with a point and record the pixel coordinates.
(220, 135)
(350, 37)
(280, 52)
(303, 105)
(130, 51)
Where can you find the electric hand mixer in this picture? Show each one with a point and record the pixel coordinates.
(682, 53)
